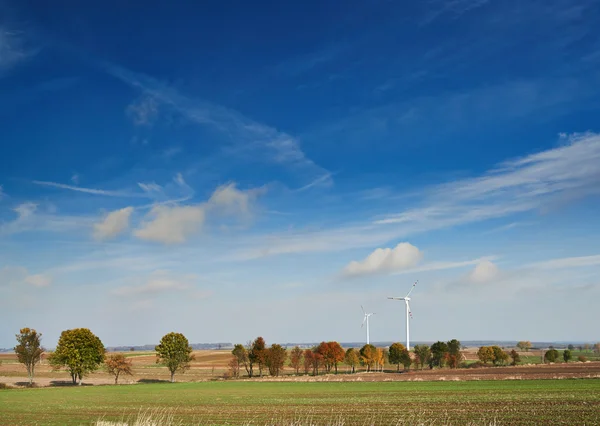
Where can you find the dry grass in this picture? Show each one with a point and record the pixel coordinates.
(165, 418)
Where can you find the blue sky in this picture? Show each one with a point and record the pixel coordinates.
(230, 169)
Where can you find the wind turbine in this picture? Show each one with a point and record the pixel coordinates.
(408, 312)
(366, 319)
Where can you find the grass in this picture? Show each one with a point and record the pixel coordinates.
(483, 402)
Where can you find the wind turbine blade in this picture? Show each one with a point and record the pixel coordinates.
(363, 309)
(412, 288)
(396, 298)
(364, 319)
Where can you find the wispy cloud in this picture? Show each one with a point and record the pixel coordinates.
(453, 9)
(19, 276)
(108, 193)
(244, 134)
(12, 48)
(567, 262)
(143, 111)
(517, 186)
(158, 282)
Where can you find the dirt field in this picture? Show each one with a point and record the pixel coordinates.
(211, 365)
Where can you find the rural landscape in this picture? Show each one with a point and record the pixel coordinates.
(299, 212)
(442, 383)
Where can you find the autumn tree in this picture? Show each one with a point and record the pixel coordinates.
(368, 356)
(275, 358)
(485, 354)
(240, 355)
(567, 355)
(500, 357)
(29, 350)
(308, 360)
(352, 358)
(234, 367)
(551, 355)
(380, 359)
(524, 345)
(175, 353)
(516, 358)
(395, 354)
(117, 364)
(336, 354)
(438, 354)
(422, 355)
(79, 351)
(257, 353)
(296, 356)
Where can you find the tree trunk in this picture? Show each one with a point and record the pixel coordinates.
(74, 378)
(117, 378)
(172, 377)
(336, 369)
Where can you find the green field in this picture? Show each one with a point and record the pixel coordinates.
(503, 402)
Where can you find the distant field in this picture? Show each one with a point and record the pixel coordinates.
(567, 402)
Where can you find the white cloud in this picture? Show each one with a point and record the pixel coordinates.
(567, 262)
(75, 178)
(90, 190)
(229, 199)
(484, 272)
(19, 276)
(244, 133)
(403, 256)
(179, 179)
(143, 111)
(150, 187)
(171, 225)
(158, 282)
(113, 224)
(523, 185)
(174, 224)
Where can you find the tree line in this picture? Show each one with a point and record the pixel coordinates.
(80, 352)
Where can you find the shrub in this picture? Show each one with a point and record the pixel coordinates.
(582, 358)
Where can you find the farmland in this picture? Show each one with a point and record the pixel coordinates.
(505, 402)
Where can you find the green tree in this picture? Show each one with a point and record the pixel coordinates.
(257, 353)
(29, 350)
(240, 355)
(551, 355)
(296, 355)
(438, 354)
(567, 355)
(422, 355)
(117, 364)
(175, 353)
(79, 351)
(516, 358)
(352, 358)
(275, 359)
(485, 354)
(500, 357)
(395, 354)
(454, 347)
(570, 347)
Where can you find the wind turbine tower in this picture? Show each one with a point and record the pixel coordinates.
(366, 320)
(408, 312)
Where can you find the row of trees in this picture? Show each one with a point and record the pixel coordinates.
(328, 355)
(80, 352)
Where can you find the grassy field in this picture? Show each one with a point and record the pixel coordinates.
(508, 402)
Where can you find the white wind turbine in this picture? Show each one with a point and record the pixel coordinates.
(366, 319)
(408, 312)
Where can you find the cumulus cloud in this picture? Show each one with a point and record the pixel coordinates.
(172, 225)
(158, 282)
(113, 224)
(19, 276)
(484, 272)
(403, 256)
